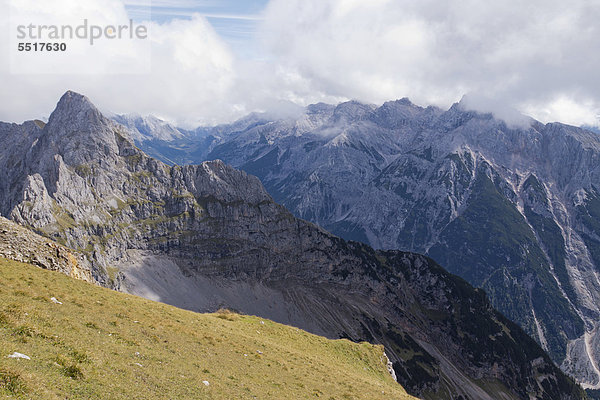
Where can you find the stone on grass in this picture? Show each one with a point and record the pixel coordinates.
(19, 355)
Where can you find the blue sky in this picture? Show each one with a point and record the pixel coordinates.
(234, 20)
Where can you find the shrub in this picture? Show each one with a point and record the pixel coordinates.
(72, 371)
(226, 314)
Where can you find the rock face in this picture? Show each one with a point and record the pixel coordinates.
(22, 245)
(208, 236)
(514, 210)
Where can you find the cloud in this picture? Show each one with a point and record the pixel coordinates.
(184, 71)
(565, 109)
(533, 56)
(538, 57)
(499, 109)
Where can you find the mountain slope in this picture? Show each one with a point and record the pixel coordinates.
(512, 209)
(207, 236)
(101, 344)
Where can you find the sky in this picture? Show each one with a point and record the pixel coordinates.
(236, 21)
(205, 62)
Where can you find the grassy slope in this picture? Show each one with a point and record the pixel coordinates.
(104, 344)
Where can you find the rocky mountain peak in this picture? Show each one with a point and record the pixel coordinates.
(404, 101)
(319, 108)
(75, 108)
(351, 111)
(229, 185)
(393, 114)
(79, 133)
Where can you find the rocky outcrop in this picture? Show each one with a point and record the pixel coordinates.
(22, 245)
(209, 236)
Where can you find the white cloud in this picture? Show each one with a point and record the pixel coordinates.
(565, 109)
(189, 77)
(499, 109)
(527, 55)
(540, 57)
(171, 3)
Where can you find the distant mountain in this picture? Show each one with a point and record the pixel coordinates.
(173, 145)
(592, 128)
(151, 133)
(148, 128)
(514, 210)
(208, 236)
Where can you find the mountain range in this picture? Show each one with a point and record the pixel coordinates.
(208, 236)
(512, 208)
